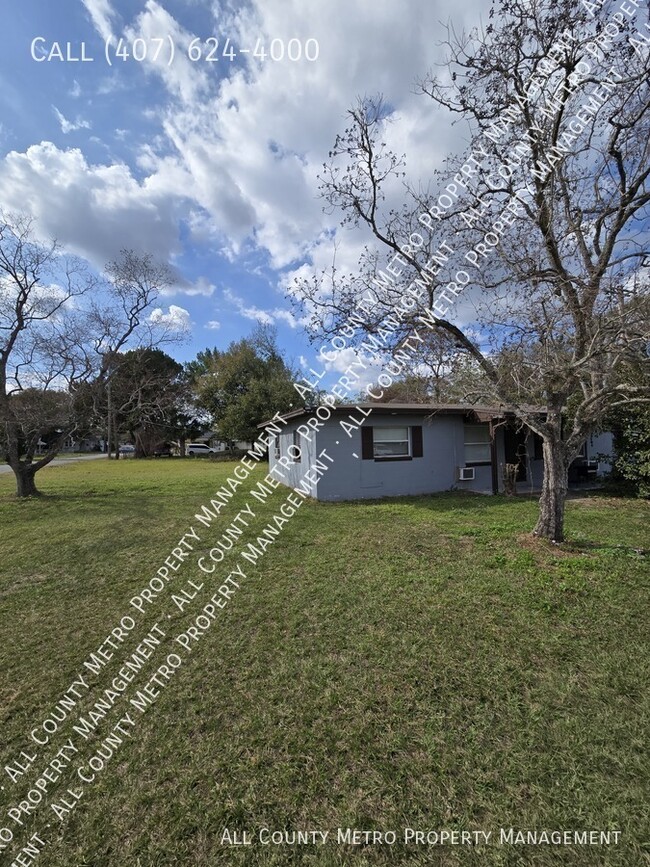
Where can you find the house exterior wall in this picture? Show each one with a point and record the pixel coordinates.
(355, 478)
(351, 478)
(89, 444)
(238, 445)
(289, 471)
(601, 444)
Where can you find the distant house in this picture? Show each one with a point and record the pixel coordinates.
(392, 449)
(213, 439)
(71, 444)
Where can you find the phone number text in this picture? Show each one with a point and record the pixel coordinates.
(163, 49)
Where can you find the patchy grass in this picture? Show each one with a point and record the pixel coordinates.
(420, 663)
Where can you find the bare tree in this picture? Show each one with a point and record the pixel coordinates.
(432, 370)
(41, 355)
(540, 229)
(61, 327)
(134, 285)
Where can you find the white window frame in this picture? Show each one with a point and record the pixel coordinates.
(392, 457)
(474, 443)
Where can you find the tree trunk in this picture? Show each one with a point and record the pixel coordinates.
(25, 482)
(136, 439)
(116, 439)
(109, 415)
(550, 524)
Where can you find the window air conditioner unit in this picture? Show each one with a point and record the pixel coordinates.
(465, 474)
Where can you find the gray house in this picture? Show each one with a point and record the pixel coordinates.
(394, 449)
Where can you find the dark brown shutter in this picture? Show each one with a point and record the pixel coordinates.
(416, 441)
(367, 443)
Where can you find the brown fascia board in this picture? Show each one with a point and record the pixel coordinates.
(484, 412)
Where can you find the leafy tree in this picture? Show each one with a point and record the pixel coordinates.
(245, 384)
(184, 423)
(200, 365)
(147, 393)
(630, 424)
(631, 428)
(554, 186)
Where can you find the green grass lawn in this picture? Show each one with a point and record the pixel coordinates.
(417, 663)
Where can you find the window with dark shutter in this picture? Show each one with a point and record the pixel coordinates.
(416, 441)
(367, 443)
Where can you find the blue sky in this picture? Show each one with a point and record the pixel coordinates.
(210, 166)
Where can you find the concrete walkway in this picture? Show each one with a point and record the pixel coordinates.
(59, 462)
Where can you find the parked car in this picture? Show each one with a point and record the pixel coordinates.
(199, 449)
(162, 451)
(127, 449)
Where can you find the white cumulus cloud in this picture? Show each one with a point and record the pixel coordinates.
(176, 318)
(94, 210)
